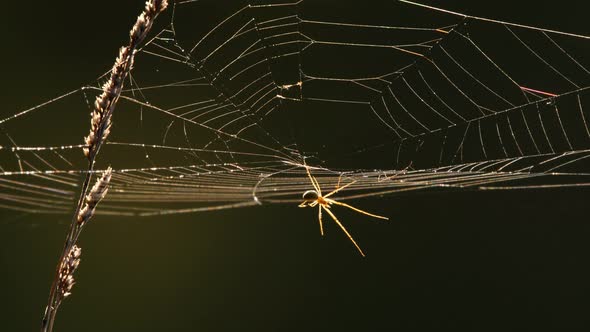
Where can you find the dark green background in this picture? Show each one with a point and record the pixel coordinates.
(470, 261)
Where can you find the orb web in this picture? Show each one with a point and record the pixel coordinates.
(226, 107)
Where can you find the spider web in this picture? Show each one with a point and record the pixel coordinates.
(225, 107)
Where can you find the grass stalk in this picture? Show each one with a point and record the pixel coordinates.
(100, 125)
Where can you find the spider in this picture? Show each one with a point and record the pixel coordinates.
(314, 197)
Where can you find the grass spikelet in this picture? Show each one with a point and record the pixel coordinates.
(96, 194)
(66, 273)
(104, 105)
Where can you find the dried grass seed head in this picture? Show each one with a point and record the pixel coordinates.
(96, 194)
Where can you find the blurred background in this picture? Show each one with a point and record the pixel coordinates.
(467, 261)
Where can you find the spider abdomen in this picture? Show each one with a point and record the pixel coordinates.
(310, 196)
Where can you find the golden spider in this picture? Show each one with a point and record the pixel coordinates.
(314, 197)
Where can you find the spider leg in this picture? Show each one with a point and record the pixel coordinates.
(302, 205)
(344, 229)
(331, 201)
(320, 219)
(314, 182)
(338, 189)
